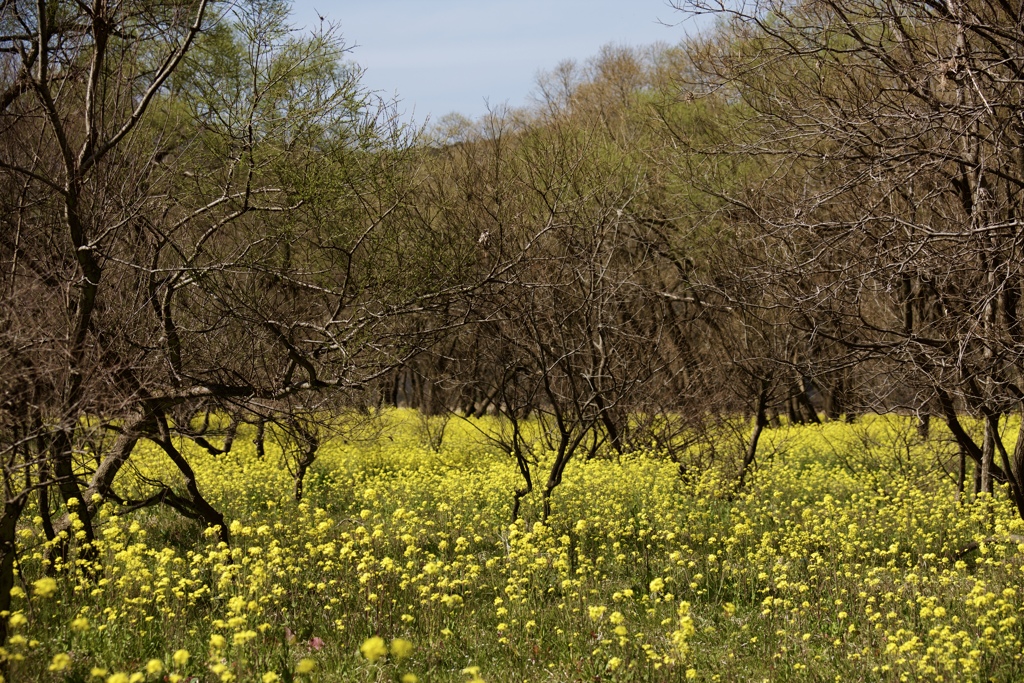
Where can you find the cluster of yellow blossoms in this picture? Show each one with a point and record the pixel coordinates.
(848, 556)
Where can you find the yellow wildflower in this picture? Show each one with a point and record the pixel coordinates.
(401, 648)
(60, 662)
(44, 587)
(373, 648)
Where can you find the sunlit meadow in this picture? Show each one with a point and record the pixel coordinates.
(844, 559)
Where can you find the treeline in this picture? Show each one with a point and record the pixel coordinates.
(207, 221)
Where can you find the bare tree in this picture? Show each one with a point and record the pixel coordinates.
(200, 213)
(891, 137)
(569, 335)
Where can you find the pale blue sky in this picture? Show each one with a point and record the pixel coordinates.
(440, 56)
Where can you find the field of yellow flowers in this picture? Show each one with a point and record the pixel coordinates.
(842, 560)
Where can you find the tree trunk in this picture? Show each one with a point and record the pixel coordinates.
(791, 409)
(260, 440)
(524, 469)
(834, 403)
(961, 476)
(202, 507)
(302, 465)
(963, 439)
(300, 477)
(61, 458)
(229, 437)
(555, 475)
(395, 389)
(8, 554)
(614, 434)
(977, 478)
(923, 425)
(1012, 473)
(100, 483)
(43, 499)
(987, 451)
(805, 406)
(760, 422)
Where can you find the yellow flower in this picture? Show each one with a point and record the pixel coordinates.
(243, 637)
(373, 648)
(410, 678)
(60, 662)
(98, 672)
(154, 666)
(44, 587)
(305, 666)
(271, 677)
(614, 663)
(17, 619)
(217, 641)
(80, 625)
(180, 657)
(118, 678)
(401, 648)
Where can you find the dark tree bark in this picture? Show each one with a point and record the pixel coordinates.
(760, 422)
